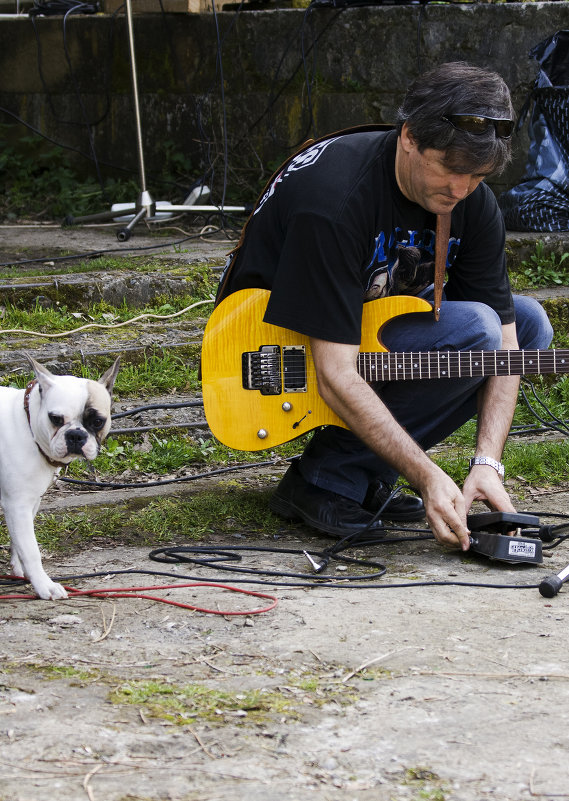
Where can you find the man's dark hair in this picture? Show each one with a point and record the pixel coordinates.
(458, 88)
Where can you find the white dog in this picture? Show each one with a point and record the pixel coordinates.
(54, 420)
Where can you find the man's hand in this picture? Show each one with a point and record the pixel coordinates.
(446, 510)
(484, 484)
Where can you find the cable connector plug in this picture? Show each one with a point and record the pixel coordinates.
(317, 567)
(546, 534)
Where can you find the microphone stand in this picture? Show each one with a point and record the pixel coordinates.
(145, 207)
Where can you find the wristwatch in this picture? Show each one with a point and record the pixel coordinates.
(498, 466)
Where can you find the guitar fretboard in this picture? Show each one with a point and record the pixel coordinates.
(460, 364)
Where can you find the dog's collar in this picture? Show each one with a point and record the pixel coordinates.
(27, 393)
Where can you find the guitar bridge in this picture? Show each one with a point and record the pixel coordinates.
(264, 371)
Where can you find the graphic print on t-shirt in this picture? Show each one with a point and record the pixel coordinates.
(306, 158)
(407, 276)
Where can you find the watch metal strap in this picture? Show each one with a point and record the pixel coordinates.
(498, 466)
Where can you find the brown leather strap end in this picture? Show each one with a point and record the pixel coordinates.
(441, 251)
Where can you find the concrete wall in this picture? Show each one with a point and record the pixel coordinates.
(57, 76)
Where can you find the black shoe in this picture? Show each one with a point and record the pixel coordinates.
(402, 508)
(297, 499)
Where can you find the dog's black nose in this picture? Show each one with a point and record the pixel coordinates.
(75, 438)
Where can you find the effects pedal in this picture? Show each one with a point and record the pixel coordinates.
(489, 537)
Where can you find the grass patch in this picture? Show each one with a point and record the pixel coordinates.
(158, 373)
(186, 704)
(49, 672)
(60, 318)
(163, 454)
(39, 182)
(67, 672)
(115, 264)
(427, 784)
(542, 464)
(225, 510)
(161, 372)
(542, 268)
(539, 463)
(70, 530)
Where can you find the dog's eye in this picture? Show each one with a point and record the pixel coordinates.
(56, 419)
(95, 421)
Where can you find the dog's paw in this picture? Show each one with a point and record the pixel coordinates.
(49, 590)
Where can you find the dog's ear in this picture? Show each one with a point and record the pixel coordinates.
(43, 375)
(108, 379)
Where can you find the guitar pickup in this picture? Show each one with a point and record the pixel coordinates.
(263, 371)
(294, 368)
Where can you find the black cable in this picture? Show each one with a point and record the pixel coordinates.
(273, 100)
(557, 425)
(95, 253)
(337, 585)
(190, 554)
(79, 152)
(219, 68)
(308, 80)
(204, 139)
(60, 7)
(419, 27)
(214, 556)
(515, 430)
(68, 7)
(152, 406)
(359, 538)
(206, 556)
(180, 479)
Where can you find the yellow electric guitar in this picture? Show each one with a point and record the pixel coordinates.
(259, 382)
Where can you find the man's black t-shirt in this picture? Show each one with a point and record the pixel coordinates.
(333, 230)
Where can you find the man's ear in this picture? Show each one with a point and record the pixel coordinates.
(406, 137)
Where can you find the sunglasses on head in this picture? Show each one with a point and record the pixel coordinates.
(479, 124)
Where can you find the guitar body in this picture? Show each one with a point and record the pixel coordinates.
(258, 380)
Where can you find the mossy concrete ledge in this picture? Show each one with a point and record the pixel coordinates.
(521, 245)
(83, 289)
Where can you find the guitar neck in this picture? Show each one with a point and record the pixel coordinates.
(460, 364)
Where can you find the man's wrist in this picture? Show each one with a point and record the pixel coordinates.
(487, 460)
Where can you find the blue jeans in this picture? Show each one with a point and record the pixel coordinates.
(430, 410)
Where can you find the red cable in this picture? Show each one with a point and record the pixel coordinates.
(139, 592)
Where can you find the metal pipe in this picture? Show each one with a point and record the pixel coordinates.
(135, 97)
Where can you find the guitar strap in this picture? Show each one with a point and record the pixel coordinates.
(441, 252)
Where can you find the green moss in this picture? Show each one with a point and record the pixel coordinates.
(224, 510)
(558, 312)
(185, 704)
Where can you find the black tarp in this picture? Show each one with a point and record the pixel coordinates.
(541, 201)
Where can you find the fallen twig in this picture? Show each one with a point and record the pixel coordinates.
(106, 629)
